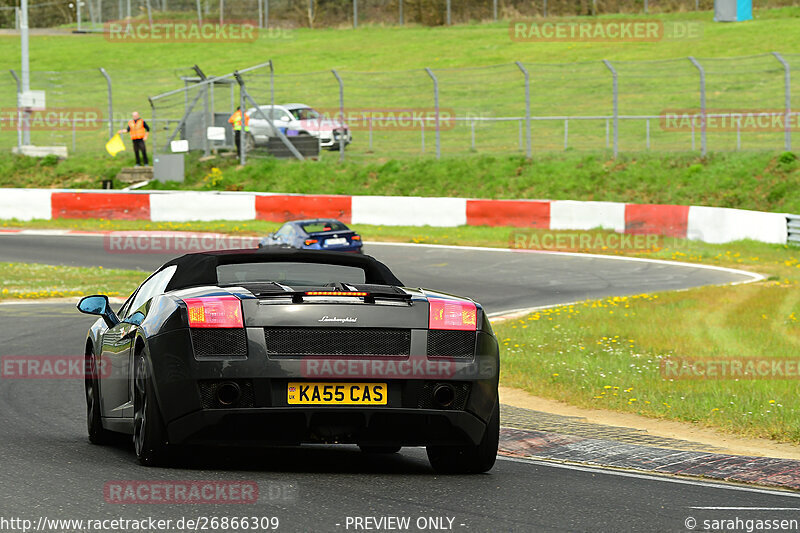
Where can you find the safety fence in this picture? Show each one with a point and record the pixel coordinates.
(92, 15)
(676, 105)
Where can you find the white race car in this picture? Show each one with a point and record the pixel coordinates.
(297, 119)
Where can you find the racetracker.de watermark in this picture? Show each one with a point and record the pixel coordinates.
(730, 368)
(585, 241)
(182, 31)
(729, 120)
(51, 119)
(50, 367)
(181, 492)
(389, 119)
(607, 31)
(154, 242)
(412, 367)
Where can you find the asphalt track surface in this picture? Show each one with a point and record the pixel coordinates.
(50, 470)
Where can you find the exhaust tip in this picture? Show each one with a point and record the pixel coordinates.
(228, 393)
(444, 395)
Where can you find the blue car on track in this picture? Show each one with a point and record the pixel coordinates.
(315, 234)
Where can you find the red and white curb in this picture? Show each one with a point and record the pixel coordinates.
(709, 224)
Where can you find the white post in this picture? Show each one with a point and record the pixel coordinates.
(26, 72)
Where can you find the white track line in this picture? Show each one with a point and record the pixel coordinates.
(666, 478)
(512, 313)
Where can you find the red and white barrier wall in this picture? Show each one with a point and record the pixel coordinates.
(710, 224)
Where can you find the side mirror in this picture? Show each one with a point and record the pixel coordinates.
(98, 305)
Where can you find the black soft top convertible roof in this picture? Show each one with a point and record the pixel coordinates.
(201, 268)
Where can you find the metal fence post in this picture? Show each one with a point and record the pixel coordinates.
(787, 82)
(400, 11)
(154, 128)
(91, 12)
(615, 103)
(702, 72)
(206, 115)
(271, 83)
(436, 108)
(25, 71)
(449, 11)
(149, 13)
(544, 14)
(645, 7)
(494, 10)
(110, 103)
(78, 14)
(341, 113)
(243, 131)
(221, 14)
(355, 13)
(19, 111)
(266, 13)
(472, 138)
(528, 140)
(260, 14)
(199, 14)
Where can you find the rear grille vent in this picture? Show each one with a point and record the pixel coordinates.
(442, 343)
(337, 341)
(219, 342)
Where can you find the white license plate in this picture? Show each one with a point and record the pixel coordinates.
(334, 242)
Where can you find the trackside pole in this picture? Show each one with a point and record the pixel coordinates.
(341, 113)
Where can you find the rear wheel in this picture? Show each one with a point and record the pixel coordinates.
(94, 425)
(380, 449)
(149, 434)
(470, 459)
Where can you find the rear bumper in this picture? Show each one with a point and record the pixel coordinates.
(187, 390)
(290, 425)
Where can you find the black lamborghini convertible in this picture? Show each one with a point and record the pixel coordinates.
(258, 347)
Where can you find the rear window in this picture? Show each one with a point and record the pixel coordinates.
(289, 273)
(319, 227)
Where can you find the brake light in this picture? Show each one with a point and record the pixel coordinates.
(337, 293)
(452, 314)
(356, 237)
(214, 312)
(311, 241)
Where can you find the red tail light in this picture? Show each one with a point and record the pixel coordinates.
(452, 314)
(214, 312)
(311, 241)
(356, 237)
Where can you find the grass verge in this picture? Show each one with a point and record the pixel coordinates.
(758, 181)
(35, 281)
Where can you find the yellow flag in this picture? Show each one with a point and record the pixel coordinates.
(115, 145)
